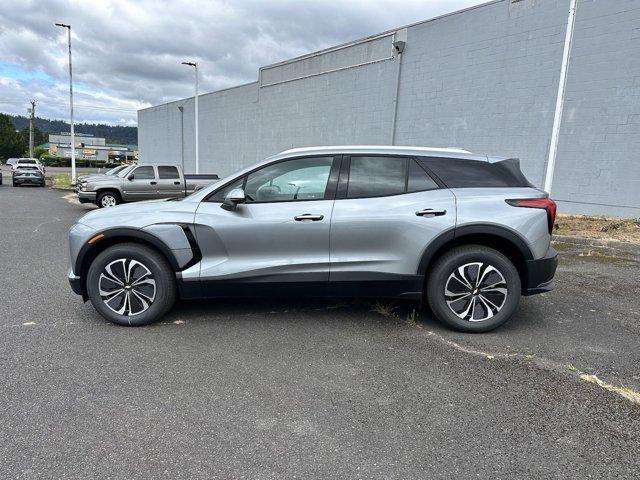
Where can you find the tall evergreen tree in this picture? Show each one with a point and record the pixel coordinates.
(12, 144)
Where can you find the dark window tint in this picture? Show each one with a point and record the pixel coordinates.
(298, 179)
(144, 173)
(167, 173)
(419, 180)
(220, 195)
(457, 173)
(376, 176)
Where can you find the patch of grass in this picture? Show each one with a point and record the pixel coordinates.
(385, 309)
(411, 319)
(626, 230)
(62, 180)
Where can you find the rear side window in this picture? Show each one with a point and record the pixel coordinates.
(457, 173)
(418, 180)
(383, 176)
(376, 176)
(144, 173)
(165, 173)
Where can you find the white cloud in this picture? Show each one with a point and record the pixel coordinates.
(127, 54)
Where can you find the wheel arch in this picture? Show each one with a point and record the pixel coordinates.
(117, 236)
(499, 238)
(100, 191)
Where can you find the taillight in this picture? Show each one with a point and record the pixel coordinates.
(544, 203)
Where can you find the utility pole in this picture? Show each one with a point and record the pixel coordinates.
(73, 137)
(32, 111)
(195, 65)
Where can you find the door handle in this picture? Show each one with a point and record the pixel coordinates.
(430, 212)
(153, 183)
(308, 216)
(176, 183)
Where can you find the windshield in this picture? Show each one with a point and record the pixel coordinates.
(26, 162)
(115, 170)
(122, 173)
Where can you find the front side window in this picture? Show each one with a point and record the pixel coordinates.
(166, 173)
(144, 173)
(221, 194)
(298, 179)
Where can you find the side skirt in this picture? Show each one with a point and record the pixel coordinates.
(409, 287)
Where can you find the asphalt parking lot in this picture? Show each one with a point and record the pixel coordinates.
(306, 388)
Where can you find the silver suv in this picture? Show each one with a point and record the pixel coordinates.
(467, 233)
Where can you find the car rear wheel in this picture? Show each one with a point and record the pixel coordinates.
(131, 285)
(473, 288)
(108, 199)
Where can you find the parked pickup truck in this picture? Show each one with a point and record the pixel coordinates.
(141, 182)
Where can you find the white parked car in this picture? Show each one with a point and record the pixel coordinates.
(27, 162)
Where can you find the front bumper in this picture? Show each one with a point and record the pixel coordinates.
(540, 273)
(75, 282)
(86, 197)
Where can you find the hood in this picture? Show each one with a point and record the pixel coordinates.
(91, 176)
(102, 178)
(141, 214)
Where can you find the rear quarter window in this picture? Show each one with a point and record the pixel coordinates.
(457, 173)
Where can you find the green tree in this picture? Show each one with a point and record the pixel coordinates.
(38, 136)
(11, 142)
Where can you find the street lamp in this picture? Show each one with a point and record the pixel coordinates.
(195, 66)
(73, 137)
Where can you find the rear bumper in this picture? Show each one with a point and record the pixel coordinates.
(29, 180)
(540, 273)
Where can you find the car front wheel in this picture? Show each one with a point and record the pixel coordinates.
(107, 199)
(473, 288)
(131, 285)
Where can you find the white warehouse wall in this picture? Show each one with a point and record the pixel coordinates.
(484, 79)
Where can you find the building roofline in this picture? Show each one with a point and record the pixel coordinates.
(375, 36)
(386, 33)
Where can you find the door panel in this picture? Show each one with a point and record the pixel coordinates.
(382, 237)
(170, 183)
(263, 242)
(144, 185)
(280, 235)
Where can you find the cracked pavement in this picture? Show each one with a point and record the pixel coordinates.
(308, 388)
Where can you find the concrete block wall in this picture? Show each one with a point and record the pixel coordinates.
(598, 162)
(484, 79)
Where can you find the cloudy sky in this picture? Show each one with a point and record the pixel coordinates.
(127, 53)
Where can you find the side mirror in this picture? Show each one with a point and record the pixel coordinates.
(131, 176)
(233, 198)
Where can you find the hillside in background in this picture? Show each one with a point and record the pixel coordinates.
(113, 133)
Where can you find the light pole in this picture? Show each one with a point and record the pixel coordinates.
(73, 137)
(181, 108)
(195, 65)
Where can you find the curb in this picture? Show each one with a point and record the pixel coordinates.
(627, 247)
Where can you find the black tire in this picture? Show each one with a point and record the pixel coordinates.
(160, 272)
(448, 266)
(103, 199)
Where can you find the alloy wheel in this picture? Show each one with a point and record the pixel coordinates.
(108, 201)
(476, 291)
(127, 287)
